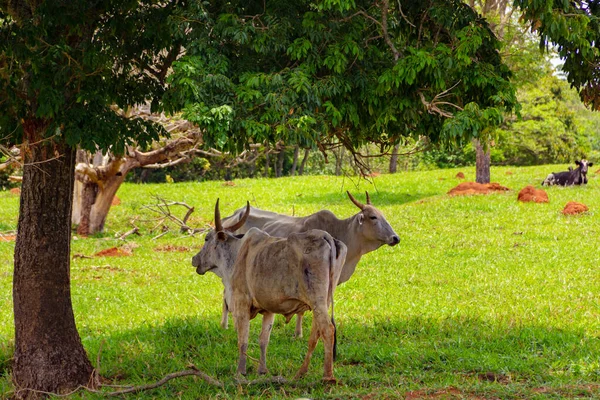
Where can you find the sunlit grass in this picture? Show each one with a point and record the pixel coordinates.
(484, 294)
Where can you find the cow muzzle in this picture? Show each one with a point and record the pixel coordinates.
(394, 240)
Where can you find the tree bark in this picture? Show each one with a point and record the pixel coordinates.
(280, 159)
(482, 163)
(394, 159)
(267, 162)
(295, 162)
(303, 163)
(339, 161)
(49, 355)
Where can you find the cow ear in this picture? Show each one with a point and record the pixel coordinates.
(590, 164)
(361, 218)
(221, 236)
(577, 162)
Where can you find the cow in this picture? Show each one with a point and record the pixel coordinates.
(577, 176)
(362, 233)
(268, 275)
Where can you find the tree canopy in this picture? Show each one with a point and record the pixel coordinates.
(341, 71)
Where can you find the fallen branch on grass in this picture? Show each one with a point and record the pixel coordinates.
(163, 208)
(167, 378)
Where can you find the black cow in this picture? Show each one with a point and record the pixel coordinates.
(577, 176)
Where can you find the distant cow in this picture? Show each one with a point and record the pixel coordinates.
(362, 233)
(269, 275)
(577, 176)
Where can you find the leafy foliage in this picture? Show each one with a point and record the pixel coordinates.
(572, 27)
(551, 128)
(64, 64)
(346, 71)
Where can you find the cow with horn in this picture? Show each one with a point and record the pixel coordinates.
(362, 233)
(268, 275)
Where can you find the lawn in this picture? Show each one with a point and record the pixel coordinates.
(484, 297)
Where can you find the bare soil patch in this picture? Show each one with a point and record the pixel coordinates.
(7, 238)
(531, 194)
(15, 191)
(468, 188)
(115, 201)
(113, 252)
(460, 175)
(171, 248)
(574, 208)
(448, 393)
(228, 183)
(509, 172)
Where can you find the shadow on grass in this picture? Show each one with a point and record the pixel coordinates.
(373, 357)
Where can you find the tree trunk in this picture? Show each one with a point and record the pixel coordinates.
(104, 198)
(280, 159)
(303, 163)
(394, 159)
(49, 355)
(483, 162)
(295, 162)
(267, 162)
(339, 161)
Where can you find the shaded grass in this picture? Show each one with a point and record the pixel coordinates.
(495, 298)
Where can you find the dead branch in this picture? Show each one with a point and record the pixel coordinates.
(163, 208)
(167, 378)
(385, 5)
(161, 235)
(14, 178)
(135, 230)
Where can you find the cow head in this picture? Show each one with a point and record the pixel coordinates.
(220, 246)
(583, 164)
(374, 226)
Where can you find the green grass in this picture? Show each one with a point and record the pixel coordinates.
(484, 296)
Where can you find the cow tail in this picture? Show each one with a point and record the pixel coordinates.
(332, 261)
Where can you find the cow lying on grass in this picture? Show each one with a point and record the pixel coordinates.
(577, 176)
(269, 275)
(362, 233)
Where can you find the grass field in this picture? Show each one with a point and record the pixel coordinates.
(484, 297)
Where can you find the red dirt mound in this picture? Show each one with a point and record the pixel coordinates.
(509, 172)
(460, 175)
(573, 208)
(467, 188)
(16, 191)
(531, 194)
(113, 252)
(115, 201)
(228, 183)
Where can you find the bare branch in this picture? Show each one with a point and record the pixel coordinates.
(385, 5)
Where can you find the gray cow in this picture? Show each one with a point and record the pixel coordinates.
(362, 233)
(269, 275)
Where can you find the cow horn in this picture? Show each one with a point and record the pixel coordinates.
(242, 220)
(218, 224)
(368, 198)
(356, 202)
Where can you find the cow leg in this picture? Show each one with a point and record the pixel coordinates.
(298, 331)
(312, 343)
(327, 332)
(265, 333)
(242, 325)
(225, 316)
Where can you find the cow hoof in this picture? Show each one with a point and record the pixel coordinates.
(299, 375)
(263, 371)
(331, 381)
